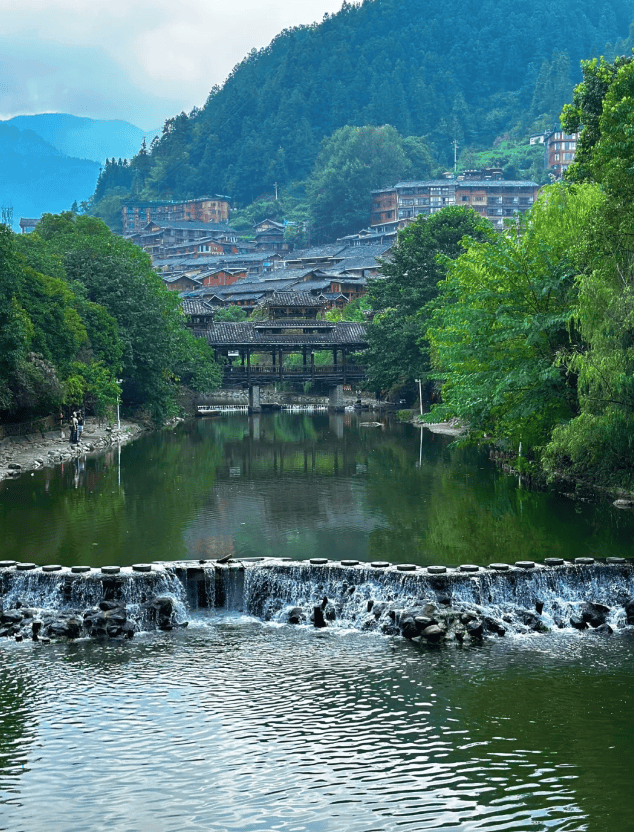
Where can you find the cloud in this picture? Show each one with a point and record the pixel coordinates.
(141, 61)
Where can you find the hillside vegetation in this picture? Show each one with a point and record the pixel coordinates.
(80, 307)
(441, 70)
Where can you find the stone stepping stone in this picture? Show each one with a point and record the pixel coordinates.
(142, 567)
(110, 570)
(406, 567)
(468, 567)
(25, 567)
(51, 567)
(436, 570)
(80, 570)
(554, 561)
(500, 567)
(525, 564)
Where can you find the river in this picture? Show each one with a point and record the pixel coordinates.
(239, 724)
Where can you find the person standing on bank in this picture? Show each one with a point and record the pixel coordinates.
(73, 429)
(80, 425)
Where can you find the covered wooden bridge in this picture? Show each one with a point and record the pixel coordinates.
(274, 340)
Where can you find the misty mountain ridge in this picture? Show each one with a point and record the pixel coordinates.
(37, 178)
(86, 138)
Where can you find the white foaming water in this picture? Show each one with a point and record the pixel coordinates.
(365, 598)
(62, 592)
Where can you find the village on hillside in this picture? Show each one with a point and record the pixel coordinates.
(199, 255)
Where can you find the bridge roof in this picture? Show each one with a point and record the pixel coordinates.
(288, 334)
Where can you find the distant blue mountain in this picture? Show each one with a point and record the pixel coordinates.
(86, 138)
(37, 178)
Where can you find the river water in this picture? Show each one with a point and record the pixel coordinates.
(239, 724)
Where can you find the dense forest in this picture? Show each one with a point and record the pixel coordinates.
(80, 307)
(440, 70)
(528, 335)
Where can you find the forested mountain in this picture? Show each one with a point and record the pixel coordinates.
(445, 70)
(36, 177)
(85, 138)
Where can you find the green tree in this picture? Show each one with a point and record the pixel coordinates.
(599, 443)
(397, 353)
(157, 351)
(502, 329)
(351, 163)
(232, 314)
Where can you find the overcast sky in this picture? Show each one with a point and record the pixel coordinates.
(137, 60)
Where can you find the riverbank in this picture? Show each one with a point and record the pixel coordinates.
(560, 481)
(21, 454)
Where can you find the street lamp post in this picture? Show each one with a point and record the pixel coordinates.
(420, 394)
(119, 381)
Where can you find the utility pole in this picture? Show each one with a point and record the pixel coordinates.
(455, 156)
(275, 186)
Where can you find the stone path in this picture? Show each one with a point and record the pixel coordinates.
(19, 454)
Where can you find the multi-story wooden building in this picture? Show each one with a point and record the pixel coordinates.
(495, 198)
(135, 215)
(559, 151)
(223, 277)
(485, 191)
(269, 236)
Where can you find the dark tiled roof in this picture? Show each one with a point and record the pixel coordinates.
(192, 225)
(173, 279)
(259, 334)
(329, 250)
(496, 183)
(288, 274)
(193, 306)
(291, 299)
(276, 285)
(217, 260)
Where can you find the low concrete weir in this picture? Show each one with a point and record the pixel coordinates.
(520, 597)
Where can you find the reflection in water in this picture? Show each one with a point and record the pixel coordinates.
(238, 725)
(295, 485)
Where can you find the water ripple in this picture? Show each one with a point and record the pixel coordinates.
(236, 725)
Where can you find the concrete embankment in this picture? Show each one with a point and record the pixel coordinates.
(428, 604)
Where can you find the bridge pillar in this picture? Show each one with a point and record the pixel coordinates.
(335, 399)
(255, 405)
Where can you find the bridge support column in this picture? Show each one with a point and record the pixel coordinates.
(255, 405)
(335, 399)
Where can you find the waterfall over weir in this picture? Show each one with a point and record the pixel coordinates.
(515, 599)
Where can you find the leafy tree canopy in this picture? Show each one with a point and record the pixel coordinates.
(397, 354)
(501, 324)
(79, 306)
(351, 163)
